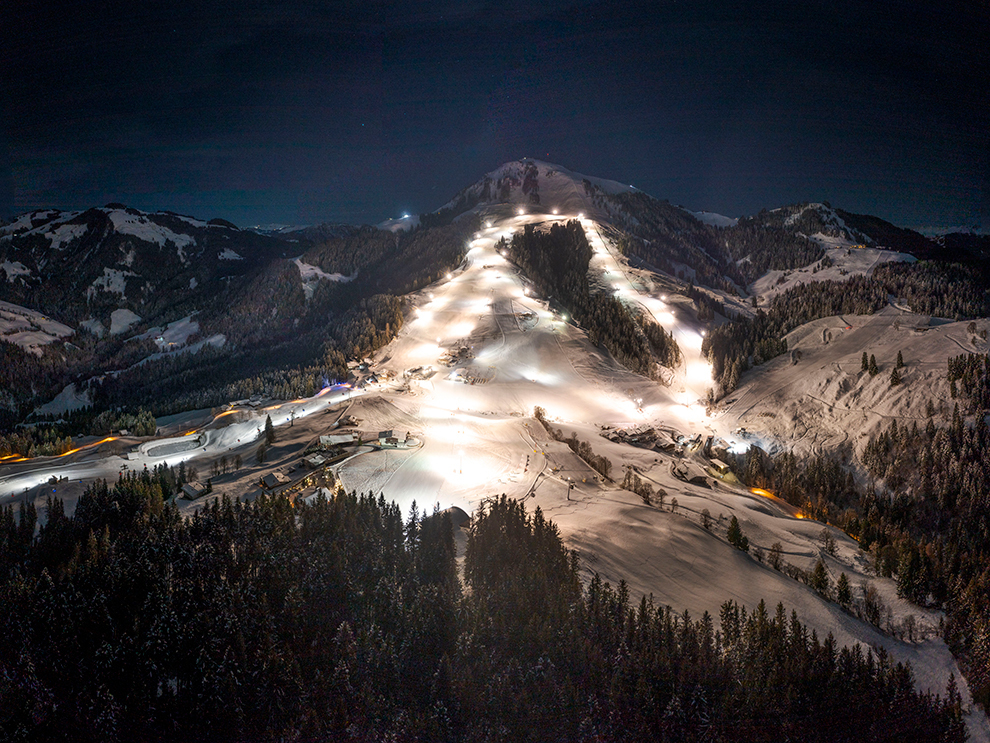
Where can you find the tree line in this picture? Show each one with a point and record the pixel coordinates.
(923, 517)
(260, 621)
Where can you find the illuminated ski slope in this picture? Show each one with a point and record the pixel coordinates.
(474, 440)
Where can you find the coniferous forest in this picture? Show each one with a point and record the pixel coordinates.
(925, 525)
(343, 620)
(557, 262)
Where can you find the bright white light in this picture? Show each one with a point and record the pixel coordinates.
(703, 332)
(488, 224)
(739, 447)
(556, 211)
(520, 211)
(690, 340)
(405, 216)
(450, 276)
(461, 329)
(699, 372)
(663, 297)
(580, 215)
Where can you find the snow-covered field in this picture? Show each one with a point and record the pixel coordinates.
(67, 400)
(473, 436)
(173, 335)
(29, 329)
(715, 220)
(121, 320)
(140, 226)
(825, 400)
(13, 269)
(847, 262)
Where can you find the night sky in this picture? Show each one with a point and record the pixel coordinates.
(297, 113)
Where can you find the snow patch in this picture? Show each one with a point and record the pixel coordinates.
(113, 280)
(26, 221)
(193, 283)
(67, 400)
(311, 275)
(188, 220)
(13, 269)
(94, 326)
(713, 219)
(217, 341)
(229, 255)
(121, 320)
(832, 241)
(143, 228)
(66, 233)
(173, 335)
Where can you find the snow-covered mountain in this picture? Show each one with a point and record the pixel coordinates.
(535, 183)
(118, 271)
(90, 263)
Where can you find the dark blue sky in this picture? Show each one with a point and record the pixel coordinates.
(354, 112)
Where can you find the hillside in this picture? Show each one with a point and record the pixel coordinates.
(583, 347)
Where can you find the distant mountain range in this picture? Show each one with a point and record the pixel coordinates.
(118, 279)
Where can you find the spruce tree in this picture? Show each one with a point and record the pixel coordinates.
(819, 578)
(734, 534)
(873, 368)
(865, 363)
(900, 360)
(269, 430)
(895, 377)
(842, 591)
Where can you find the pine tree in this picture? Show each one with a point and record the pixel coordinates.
(900, 360)
(895, 378)
(735, 536)
(873, 368)
(819, 578)
(842, 592)
(269, 430)
(865, 363)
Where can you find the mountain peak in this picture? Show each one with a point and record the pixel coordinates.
(535, 183)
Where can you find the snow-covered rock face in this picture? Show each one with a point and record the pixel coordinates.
(536, 185)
